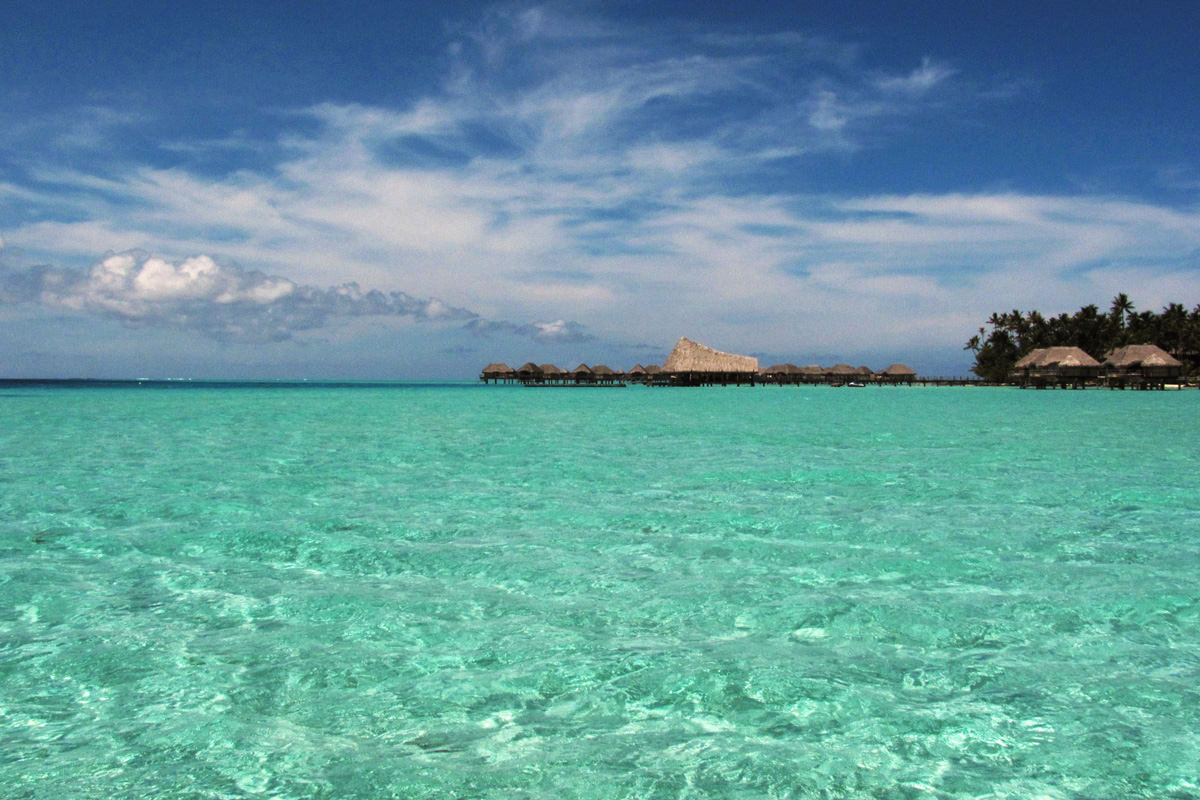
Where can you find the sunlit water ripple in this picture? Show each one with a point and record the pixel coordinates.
(459, 591)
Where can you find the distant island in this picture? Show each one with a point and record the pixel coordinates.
(1124, 346)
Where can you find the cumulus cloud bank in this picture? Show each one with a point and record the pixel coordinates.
(226, 301)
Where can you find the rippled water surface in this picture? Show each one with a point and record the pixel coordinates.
(482, 592)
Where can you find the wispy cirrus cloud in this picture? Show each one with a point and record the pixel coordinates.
(922, 79)
(542, 118)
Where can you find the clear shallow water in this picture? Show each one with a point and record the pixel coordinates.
(435, 592)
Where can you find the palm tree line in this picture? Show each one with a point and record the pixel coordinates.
(1007, 337)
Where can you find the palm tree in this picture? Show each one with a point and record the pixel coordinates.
(1036, 331)
(1122, 307)
(1174, 328)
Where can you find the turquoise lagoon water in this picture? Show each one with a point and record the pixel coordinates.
(483, 592)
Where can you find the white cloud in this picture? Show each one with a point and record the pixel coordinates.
(827, 113)
(921, 79)
(227, 302)
(558, 331)
(135, 285)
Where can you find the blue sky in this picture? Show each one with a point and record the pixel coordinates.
(403, 190)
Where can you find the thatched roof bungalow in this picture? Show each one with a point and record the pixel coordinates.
(840, 373)
(497, 372)
(553, 374)
(812, 373)
(582, 374)
(529, 371)
(1055, 366)
(780, 373)
(1143, 357)
(638, 374)
(1141, 365)
(689, 356)
(1065, 358)
(897, 373)
(604, 374)
(693, 364)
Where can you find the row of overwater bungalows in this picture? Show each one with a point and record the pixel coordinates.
(693, 364)
(784, 374)
(1137, 366)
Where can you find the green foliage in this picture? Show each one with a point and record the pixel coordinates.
(1007, 337)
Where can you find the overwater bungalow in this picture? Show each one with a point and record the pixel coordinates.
(637, 375)
(1141, 366)
(781, 374)
(866, 374)
(693, 364)
(605, 375)
(840, 374)
(1055, 366)
(529, 372)
(812, 373)
(582, 374)
(896, 374)
(500, 373)
(553, 374)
